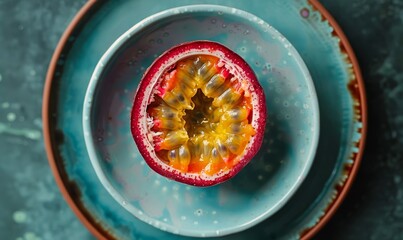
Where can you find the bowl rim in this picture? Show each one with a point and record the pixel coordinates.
(170, 15)
(99, 231)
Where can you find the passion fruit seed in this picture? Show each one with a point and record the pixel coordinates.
(201, 116)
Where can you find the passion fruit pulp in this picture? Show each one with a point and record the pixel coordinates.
(199, 114)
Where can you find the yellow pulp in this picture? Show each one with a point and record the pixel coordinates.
(201, 117)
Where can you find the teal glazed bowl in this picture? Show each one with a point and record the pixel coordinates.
(264, 185)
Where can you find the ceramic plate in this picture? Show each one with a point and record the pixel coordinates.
(261, 188)
(306, 25)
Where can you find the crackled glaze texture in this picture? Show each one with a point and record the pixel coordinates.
(260, 189)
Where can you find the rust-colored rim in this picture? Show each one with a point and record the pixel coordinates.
(46, 126)
(95, 230)
(309, 233)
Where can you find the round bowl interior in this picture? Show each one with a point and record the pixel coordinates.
(264, 185)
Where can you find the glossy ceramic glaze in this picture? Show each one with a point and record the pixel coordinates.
(306, 25)
(261, 188)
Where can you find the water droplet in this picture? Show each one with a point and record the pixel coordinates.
(304, 13)
(267, 66)
(124, 203)
(224, 25)
(246, 32)
(196, 223)
(183, 218)
(213, 21)
(220, 13)
(100, 139)
(199, 212)
(217, 232)
(215, 222)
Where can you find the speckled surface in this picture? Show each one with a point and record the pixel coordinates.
(32, 206)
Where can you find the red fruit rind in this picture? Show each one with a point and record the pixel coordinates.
(160, 81)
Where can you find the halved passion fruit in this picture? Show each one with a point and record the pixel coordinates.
(199, 114)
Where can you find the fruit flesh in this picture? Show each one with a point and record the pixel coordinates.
(200, 116)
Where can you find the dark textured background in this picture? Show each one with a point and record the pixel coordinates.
(32, 207)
